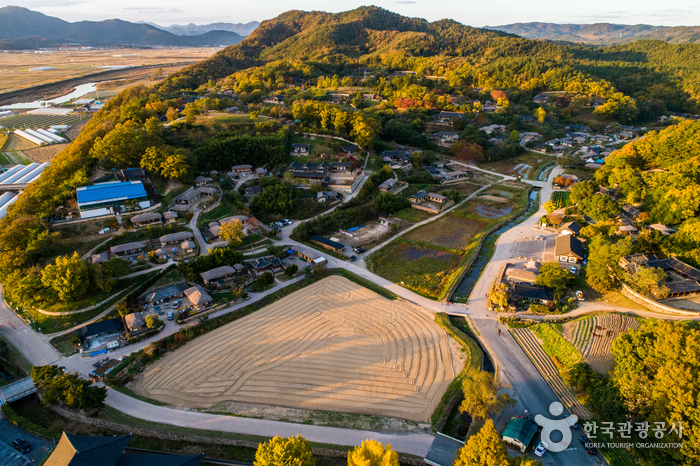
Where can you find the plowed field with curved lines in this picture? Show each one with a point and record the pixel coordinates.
(333, 346)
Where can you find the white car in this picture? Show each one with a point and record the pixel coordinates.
(541, 448)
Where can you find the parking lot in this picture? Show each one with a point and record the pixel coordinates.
(537, 245)
(9, 432)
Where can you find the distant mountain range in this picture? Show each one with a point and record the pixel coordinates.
(242, 29)
(602, 33)
(21, 28)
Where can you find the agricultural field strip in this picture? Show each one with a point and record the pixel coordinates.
(528, 342)
(332, 346)
(593, 337)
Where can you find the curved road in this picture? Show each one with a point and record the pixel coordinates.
(514, 368)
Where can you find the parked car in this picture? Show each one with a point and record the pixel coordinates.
(574, 423)
(171, 316)
(176, 303)
(574, 269)
(21, 445)
(352, 258)
(286, 222)
(588, 445)
(360, 250)
(540, 449)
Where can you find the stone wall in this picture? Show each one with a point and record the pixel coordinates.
(654, 305)
(164, 435)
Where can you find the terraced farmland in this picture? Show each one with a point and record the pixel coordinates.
(332, 346)
(528, 342)
(593, 337)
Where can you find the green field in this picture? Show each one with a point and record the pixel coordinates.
(561, 199)
(421, 268)
(40, 121)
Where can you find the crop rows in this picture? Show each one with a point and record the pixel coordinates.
(561, 199)
(593, 337)
(331, 346)
(527, 341)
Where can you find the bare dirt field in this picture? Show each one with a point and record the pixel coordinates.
(332, 346)
(366, 234)
(44, 153)
(593, 337)
(15, 142)
(68, 63)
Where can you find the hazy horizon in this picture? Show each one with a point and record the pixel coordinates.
(500, 12)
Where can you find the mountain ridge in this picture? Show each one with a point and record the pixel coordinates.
(602, 33)
(25, 29)
(191, 29)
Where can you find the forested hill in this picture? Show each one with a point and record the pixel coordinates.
(368, 32)
(603, 33)
(370, 36)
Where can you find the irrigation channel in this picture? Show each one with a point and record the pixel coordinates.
(464, 289)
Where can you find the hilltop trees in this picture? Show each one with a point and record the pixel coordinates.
(68, 277)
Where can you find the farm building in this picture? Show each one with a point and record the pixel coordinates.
(128, 248)
(148, 218)
(108, 198)
(429, 202)
(568, 249)
(519, 432)
(328, 244)
(173, 238)
(6, 200)
(521, 275)
(110, 451)
(219, 273)
(20, 176)
(306, 254)
(443, 450)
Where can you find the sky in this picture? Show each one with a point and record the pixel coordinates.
(470, 12)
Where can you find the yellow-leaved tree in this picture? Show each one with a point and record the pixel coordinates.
(372, 453)
(281, 451)
(232, 231)
(483, 449)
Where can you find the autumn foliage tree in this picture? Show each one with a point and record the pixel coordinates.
(483, 449)
(281, 451)
(232, 231)
(480, 395)
(373, 453)
(467, 152)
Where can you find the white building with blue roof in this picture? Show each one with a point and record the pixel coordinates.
(108, 198)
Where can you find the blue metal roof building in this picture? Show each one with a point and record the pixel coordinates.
(102, 198)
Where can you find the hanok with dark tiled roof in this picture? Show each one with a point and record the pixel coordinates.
(300, 149)
(388, 185)
(130, 174)
(149, 218)
(530, 293)
(417, 197)
(175, 290)
(203, 180)
(340, 166)
(253, 191)
(571, 228)
(128, 249)
(261, 265)
(568, 249)
(630, 212)
(350, 149)
(445, 117)
(242, 168)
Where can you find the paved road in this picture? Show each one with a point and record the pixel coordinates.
(514, 368)
(416, 444)
(9, 432)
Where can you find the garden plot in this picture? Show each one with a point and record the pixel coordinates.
(450, 231)
(365, 235)
(44, 153)
(593, 336)
(332, 346)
